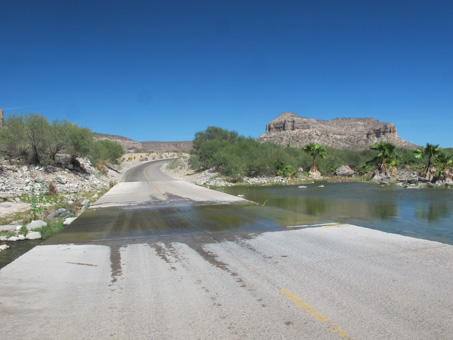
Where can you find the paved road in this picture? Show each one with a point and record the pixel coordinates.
(137, 188)
(125, 280)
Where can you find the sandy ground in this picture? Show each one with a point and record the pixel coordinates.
(183, 172)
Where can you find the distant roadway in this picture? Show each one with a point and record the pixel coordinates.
(159, 258)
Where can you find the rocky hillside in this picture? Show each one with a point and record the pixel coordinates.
(131, 145)
(167, 146)
(341, 133)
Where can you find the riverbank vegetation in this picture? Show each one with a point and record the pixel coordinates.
(236, 156)
(32, 139)
(43, 207)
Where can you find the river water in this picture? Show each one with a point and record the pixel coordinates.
(423, 213)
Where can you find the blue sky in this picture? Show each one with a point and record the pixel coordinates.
(163, 70)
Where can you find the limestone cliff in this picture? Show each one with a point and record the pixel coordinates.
(341, 133)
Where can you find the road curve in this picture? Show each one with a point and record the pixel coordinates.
(321, 282)
(147, 185)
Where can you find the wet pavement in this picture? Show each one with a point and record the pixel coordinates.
(150, 204)
(175, 261)
(132, 225)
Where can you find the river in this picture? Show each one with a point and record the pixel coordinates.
(423, 213)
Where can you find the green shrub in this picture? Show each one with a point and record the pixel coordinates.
(286, 171)
(52, 228)
(106, 151)
(236, 156)
(32, 138)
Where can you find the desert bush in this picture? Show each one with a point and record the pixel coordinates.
(32, 138)
(52, 188)
(235, 155)
(106, 151)
(100, 166)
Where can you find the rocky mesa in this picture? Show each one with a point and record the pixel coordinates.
(341, 133)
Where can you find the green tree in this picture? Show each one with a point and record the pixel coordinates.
(443, 162)
(430, 151)
(213, 133)
(386, 156)
(32, 138)
(59, 138)
(315, 150)
(26, 136)
(81, 141)
(106, 150)
(12, 137)
(37, 130)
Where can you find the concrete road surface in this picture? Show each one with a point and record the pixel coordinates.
(113, 276)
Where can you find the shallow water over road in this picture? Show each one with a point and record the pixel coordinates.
(132, 225)
(422, 213)
(161, 259)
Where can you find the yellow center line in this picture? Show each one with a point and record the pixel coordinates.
(314, 313)
(144, 173)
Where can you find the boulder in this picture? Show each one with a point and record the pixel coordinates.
(344, 170)
(34, 235)
(62, 212)
(13, 239)
(36, 224)
(9, 227)
(3, 247)
(61, 179)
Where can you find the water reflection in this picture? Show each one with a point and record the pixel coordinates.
(432, 211)
(424, 213)
(316, 206)
(385, 210)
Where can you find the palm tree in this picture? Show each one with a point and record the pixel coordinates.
(386, 156)
(444, 162)
(315, 150)
(430, 151)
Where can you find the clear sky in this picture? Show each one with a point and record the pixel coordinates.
(163, 70)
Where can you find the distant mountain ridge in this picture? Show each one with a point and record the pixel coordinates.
(131, 145)
(341, 133)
